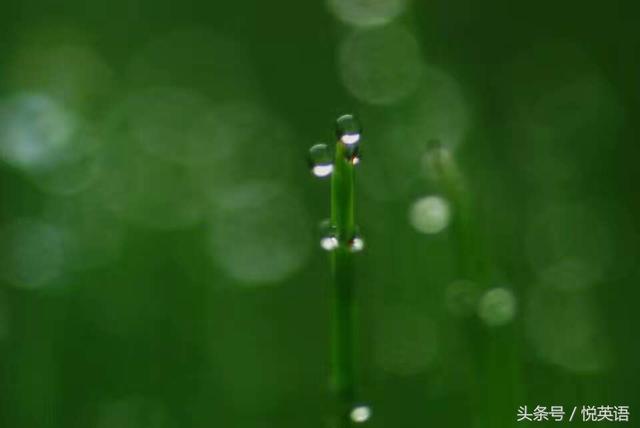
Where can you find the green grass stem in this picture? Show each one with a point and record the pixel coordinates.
(343, 307)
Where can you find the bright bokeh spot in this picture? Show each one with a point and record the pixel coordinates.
(380, 66)
(430, 214)
(54, 147)
(36, 132)
(497, 307)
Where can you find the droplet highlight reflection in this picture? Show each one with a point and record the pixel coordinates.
(329, 240)
(356, 244)
(360, 414)
(320, 160)
(348, 129)
(329, 243)
(328, 236)
(355, 159)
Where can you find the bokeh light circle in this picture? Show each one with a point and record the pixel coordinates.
(497, 307)
(380, 66)
(565, 330)
(36, 131)
(365, 13)
(164, 117)
(430, 214)
(260, 234)
(438, 114)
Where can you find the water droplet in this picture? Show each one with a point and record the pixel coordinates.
(329, 240)
(348, 129)
(329, 237)
(356, 244)
(360, 414)
(329, 243)
(320, 160)
(352, 154)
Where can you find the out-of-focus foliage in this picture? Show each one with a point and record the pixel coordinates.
(159, 264)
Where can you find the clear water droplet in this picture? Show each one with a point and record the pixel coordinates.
(356, 244)
(320, 160)
(329, 236)
(360, 414)
(329, 243)
(353, 154)
(348, 129)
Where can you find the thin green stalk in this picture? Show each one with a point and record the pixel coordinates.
(343, 306)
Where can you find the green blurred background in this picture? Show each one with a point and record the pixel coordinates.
(159, 264)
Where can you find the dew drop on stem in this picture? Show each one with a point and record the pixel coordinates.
(360, 413)
(356, 244)
(320, 160)
(352, 154)
(328, 236)
(348, 130)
